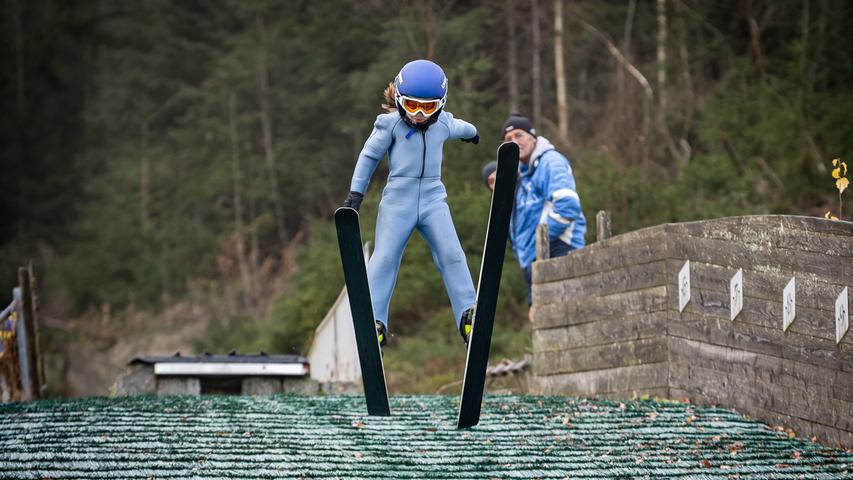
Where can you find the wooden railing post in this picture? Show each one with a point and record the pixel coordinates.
(602, 224)
(32, 371)
(21, 335)
(543, 245)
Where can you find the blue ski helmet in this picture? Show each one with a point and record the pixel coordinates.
(421, 79)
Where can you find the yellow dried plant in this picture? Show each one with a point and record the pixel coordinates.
(839, 173)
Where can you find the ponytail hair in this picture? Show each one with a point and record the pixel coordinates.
(390, 94)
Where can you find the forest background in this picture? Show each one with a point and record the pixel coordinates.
(171, 167)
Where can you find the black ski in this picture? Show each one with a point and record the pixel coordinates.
(358, 291)
(488, 286)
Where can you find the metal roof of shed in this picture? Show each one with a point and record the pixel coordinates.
(227, 358)
(332, 437)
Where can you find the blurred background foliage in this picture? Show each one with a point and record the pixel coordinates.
(166, 151)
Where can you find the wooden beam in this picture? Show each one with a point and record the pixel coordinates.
(620, 354)
(591, 309)
(621, 381)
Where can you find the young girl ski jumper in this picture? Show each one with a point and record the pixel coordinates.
(414, 198)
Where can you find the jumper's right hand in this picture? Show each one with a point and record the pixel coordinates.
(354, 200)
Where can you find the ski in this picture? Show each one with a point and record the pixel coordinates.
(488, 285)
(358, 291)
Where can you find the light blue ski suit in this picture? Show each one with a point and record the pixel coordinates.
(413, 198)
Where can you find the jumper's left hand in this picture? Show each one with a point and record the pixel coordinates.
(353, 200)
(475, 139)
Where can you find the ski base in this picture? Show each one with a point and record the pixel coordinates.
(358, 291)
(488, 286)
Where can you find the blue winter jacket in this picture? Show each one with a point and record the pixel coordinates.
(412, 153)
(545, 194)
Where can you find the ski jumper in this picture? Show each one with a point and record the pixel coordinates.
(414, 198)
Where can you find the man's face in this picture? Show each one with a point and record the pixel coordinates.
(492, 177)
(526, 142)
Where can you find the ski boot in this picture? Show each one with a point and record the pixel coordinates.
(466, 324)
(381, 333)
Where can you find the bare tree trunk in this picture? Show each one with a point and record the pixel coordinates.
(626, 50)
(804, 91)
(266, 125)
(429, 28)
(634, 72)
(661, 62)
(512, 55)
(755, 37)
(254, 243)
(804, 56)
(820, 42)
(144, 183)
(629, 27)
(624, 104)
(823, 7)
(536, 70)
(19, 57)
(407, 32)
(560, 73)
(689, 101)
(240, 242)
(663, 133)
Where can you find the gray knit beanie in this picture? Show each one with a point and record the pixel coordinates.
(487, 170)
(516, 121)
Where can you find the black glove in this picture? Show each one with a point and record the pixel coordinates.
(354, 200)
(475, 139)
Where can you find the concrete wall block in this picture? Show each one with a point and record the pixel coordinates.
(178, 386)
(138, 380)
(341, 388)
(261, 386)
(300, 386)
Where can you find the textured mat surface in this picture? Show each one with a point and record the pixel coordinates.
(332, 437)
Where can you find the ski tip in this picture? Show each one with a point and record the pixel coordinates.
(508, 148)
(345, 211)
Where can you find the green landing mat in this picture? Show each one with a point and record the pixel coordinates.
(218, 437)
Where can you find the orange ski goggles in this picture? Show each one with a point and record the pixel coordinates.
(414, 105)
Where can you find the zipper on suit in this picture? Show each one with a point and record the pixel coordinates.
(423, 157)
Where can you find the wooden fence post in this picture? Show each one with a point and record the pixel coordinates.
(32, 371)
(543, 245)
(22, 343)
(602, 223)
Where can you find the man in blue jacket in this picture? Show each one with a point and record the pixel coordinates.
(545, 193)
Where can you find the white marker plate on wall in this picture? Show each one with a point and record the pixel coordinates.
(841, 320)
(736, 294)
(789, 304)
(684, 286)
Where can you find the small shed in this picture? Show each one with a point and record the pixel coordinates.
(333, 354)
(234, 374)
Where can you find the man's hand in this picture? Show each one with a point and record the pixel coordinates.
(475, 139)
(530, 313)
(354, 200)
